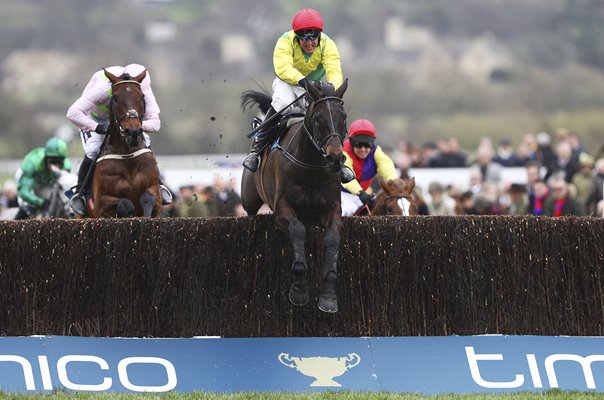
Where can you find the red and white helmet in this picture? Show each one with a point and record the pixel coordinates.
(307, 18)
(362, 127)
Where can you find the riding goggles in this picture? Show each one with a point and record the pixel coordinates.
(56, 160)
(308, 34)
(358, 145)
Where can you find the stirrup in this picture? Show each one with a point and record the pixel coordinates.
(166, 195)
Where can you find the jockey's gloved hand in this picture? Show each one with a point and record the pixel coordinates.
(102, 128)
(302, 82)
(365, 198)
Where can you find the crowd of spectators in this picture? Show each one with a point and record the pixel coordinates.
(217, 200)
(562, 176)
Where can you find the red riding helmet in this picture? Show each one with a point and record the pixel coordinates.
(362, 127)
(307, 18)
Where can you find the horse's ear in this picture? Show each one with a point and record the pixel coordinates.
(382, 182)
(412, 183)
(313, 91)
(342, 89)
(139, 78)
(112, 78)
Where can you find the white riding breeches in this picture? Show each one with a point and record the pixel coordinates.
(284, 94)
(92, 141)
(350, 204)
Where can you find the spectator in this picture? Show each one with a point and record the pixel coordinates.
(458, 155)
(584, 181)
(518, 200)
(192, 204)
(225, 200)
(447, 156)
(545, 154)
(561, 202)
(466, 204)
(505, 155)
(576, 144)
(597, 192)
(537, 197)
(429, 153)
(566, 164)
(491, 172)
(524, 152)
(440, 203)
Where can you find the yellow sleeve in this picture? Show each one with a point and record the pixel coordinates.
(331, 63)
(283, 61)
(385, 165)
(353, 186)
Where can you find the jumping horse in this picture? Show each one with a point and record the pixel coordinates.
(125, 181)
(395, 197)
(299, 179)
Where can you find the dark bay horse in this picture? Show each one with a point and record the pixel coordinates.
(299, 179)
(394, 198)
(125, 182)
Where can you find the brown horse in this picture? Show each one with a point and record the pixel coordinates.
(125, 182)
(299, 179)
(394, 198)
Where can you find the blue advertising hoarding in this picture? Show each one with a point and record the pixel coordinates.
(427, 365)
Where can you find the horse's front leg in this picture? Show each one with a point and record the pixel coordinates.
(328, 301)
(298, 291)
(147, 202)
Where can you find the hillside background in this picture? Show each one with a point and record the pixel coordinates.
(420, 69)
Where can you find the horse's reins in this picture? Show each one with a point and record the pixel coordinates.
(319, 147)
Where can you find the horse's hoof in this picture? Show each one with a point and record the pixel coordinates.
(328, 303)
(298, 297)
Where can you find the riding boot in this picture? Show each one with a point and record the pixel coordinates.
(266, 135)
(77, 203)
(21, 214)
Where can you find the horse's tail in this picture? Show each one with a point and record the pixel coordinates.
(249, 98)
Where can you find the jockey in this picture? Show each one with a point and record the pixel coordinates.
(40, 169)
(367, 160)
(90, 114)
(301, 55)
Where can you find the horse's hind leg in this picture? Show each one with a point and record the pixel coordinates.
(298, 291)
(328, 301)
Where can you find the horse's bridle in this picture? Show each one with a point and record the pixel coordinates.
(399, 197)
(132, 113)
(318, 146)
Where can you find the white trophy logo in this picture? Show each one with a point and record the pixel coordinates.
(323, 369)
